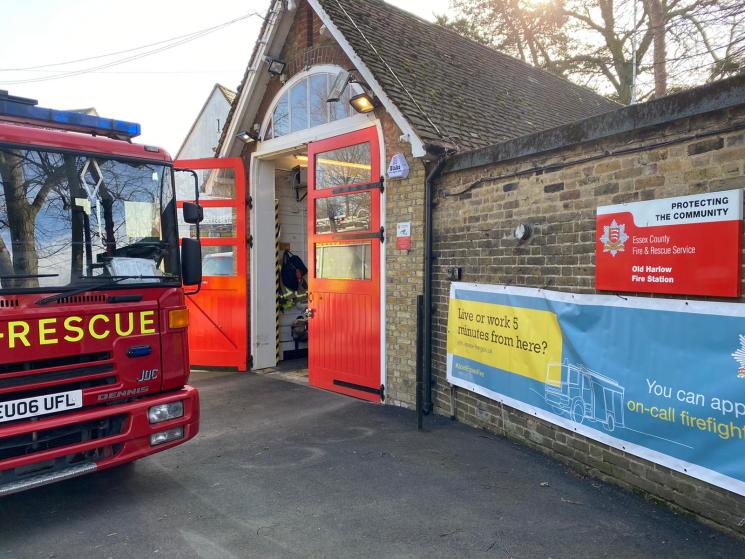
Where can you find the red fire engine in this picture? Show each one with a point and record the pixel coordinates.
(93, 345)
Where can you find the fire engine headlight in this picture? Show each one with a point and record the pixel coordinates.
(164, 412)
(167, 436)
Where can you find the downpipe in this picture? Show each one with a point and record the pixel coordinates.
(426, 339)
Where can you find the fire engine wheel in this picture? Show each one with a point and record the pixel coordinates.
(578, 411)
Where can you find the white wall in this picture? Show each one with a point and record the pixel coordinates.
(263, 281)
(293, 219)
(201, 141)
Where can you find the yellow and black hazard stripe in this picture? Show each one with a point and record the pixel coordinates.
(278, 274)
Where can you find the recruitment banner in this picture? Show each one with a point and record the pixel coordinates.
(689, 245)
(661, 379)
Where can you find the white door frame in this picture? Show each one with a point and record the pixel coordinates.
(261, 227)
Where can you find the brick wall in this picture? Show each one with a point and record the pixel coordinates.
(404, 269)
(473, 229)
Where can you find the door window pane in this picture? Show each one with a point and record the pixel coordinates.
(214, 184)
(218, 223)
(341, 214)
(299, 106)
(347, 261)
(218, 261)
(347, 165)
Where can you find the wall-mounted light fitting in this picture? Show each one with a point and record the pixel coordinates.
(364, 102)
(523, 232)
(340, 84)
(248, 136)
(274, 66)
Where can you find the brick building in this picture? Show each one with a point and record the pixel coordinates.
(423, 109)
(684, 144)
(490, 143)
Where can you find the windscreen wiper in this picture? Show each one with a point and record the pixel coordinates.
(110, 282)
(29, 276)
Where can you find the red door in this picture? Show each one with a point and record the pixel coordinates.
(344, 246)
(218, 314)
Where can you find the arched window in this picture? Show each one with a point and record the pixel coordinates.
(302, 104)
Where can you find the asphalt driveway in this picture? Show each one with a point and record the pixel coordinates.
(283, 470)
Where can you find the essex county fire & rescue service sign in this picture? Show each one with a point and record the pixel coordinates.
(689, 245)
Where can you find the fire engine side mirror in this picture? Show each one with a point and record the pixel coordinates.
(193, 213)
(191, 262)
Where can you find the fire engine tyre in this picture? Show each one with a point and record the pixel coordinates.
(610, 424)
(578, 411)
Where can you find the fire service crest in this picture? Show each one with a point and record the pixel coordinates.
(614, 237)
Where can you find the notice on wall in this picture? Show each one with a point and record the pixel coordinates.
(658, 378)
(403, 235)
(690, 245)
(398, 168)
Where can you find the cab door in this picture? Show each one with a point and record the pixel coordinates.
(344, 251)
(218, 312)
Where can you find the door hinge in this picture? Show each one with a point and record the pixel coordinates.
(250, 241)
(379, 184)
(250, 361)
(362, 388)
(357, 236)
(250, 203)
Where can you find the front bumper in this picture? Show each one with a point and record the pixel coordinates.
(131, 442)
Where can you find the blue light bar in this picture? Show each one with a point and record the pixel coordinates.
(26, 109)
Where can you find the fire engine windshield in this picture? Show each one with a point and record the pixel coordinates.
(67, 219)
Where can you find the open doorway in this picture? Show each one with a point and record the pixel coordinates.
(291, 212)
(321, 203)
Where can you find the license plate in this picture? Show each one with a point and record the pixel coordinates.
(40, 405)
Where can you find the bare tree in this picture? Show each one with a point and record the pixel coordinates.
(590, 41)
(26, 183)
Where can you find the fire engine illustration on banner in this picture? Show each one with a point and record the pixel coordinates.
(662, 379)
(689, 245)
(585, 395)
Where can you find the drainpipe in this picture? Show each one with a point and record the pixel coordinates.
(427, 318)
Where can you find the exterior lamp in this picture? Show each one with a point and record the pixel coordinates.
(364, 102)
(248, 136)
(274, 66)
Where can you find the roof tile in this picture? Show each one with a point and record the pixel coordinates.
(452, 90)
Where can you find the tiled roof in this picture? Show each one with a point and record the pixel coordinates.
(229, 94)
(454, 91)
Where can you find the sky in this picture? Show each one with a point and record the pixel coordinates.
(163, 91)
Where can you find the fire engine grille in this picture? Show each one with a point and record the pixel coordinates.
(55, 362)
(79, 299)
(88, 370)
(80, 385)
(48, 439)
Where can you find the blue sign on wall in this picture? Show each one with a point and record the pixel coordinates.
(662, 379)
